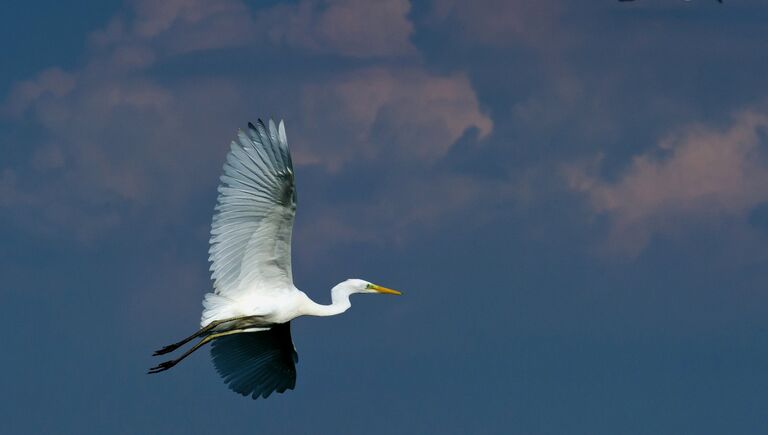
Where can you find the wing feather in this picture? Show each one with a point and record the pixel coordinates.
(251, 229)
(257, 364)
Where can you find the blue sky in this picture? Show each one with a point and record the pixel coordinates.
(572, 197)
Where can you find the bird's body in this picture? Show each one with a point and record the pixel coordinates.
(271, 308)
(279, 307)
(248, 314)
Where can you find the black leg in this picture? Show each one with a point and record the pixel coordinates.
(169, 364)
(201, 331)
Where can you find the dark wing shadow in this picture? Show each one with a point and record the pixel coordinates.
(257, 363)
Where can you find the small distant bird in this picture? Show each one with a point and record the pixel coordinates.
(247, 317)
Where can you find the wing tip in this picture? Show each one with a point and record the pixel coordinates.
(257, 364)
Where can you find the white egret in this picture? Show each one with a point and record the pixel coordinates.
(247, 317)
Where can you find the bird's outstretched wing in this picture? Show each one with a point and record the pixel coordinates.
(257, 363)
(251, 230)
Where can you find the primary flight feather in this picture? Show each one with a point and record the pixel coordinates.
(247, 317)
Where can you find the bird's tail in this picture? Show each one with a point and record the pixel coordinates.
(217, 307)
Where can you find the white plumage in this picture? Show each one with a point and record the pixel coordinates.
(250, 249)
(247, 316)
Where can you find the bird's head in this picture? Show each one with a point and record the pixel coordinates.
(362, 286)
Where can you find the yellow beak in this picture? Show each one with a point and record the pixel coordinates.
(381, 289)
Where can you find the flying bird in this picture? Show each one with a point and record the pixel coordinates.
(247, 318)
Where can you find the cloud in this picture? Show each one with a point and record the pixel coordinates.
(402, 206)
(699, 174)
(56, 214)
(180, 26)
(118, 141)
(153, 18)
(48, 157)
(112, 140)
(392, 114)
(52, 82)
(346, 27)
(342, 27)
(393, 125)
(501, 23)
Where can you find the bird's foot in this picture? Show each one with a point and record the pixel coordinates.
(162, 367)
(167, 349)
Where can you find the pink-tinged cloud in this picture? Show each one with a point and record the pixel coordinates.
(347, 27)
(179, 26)
(176, 26)
(344, 27)
(50, 83)
(704, 174)
(419, 204)
(500, 22)
(420, 114)
(124, 136)
(119, 138)
(48, 157)
(116, 138)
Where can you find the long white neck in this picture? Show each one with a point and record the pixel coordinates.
(339, 303)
